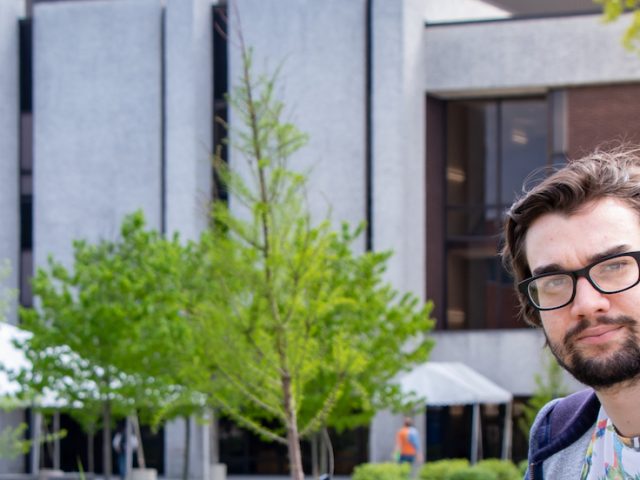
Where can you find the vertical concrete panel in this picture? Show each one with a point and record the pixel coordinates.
(398, 160)
(174, 447)
(96, 120)
(9, 158)
(398, 146)
(189, 114)
(320, 50)
(10, 12)
(382, 435)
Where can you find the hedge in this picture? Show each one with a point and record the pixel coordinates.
(449, 469)
(382, 471)
(441, 469)
(504, 470)
(476, 472)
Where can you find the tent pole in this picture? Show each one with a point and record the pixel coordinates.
(425, 436)
(507, 433)
(36, 425)
(475, 424)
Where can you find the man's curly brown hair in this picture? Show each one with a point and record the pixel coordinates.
(614, 173)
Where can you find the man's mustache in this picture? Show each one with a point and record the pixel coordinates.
(622, 320)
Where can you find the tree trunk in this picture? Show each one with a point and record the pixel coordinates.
(106, 439)
(142, 463)
(295, 456)
(187, 447)
(214, 443)
(293, 436)
(128, 447)
(328, 449)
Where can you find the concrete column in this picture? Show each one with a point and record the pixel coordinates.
(382, 432)
(319, 50)
(97, 128)
(398, 147)
(189, 114)
(10, 13)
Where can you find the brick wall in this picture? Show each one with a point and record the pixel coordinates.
(602, 115)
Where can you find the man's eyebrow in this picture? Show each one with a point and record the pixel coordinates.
(611, 251)
(555, 268)
(551, 268)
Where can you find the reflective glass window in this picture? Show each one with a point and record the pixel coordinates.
(492, 146)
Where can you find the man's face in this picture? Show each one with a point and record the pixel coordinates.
(596, 336)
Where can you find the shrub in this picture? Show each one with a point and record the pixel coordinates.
(522, 467)
(504, 469)
(440, 469)
(476, 472)
(382, 471)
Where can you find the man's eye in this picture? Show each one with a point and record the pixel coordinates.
(554, 283)
(612, 267)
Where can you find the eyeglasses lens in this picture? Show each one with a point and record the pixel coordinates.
(608, 276)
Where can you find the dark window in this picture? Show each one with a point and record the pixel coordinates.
(245, 453)
(75, 449)
(26, 62)
(491, 148)
(220, 89)
(26, 162)
(447, 425)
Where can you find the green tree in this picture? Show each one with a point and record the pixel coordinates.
(102, 330)
(549, 385)
(289, 323)
(613, 9)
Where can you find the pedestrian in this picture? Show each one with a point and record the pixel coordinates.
(120, 446)
(408, 449)
(573, 245)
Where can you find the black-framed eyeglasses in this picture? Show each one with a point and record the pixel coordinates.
(612, 274)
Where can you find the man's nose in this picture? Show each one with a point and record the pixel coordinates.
(588, 301)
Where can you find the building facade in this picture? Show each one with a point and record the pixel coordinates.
(424, 129)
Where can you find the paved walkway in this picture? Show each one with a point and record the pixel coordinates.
(76, 476)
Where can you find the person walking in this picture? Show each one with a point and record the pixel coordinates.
(408, 448)
(120, 446)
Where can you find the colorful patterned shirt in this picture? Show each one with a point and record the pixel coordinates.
(611, 456)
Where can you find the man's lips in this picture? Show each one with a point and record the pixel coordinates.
(598, 334)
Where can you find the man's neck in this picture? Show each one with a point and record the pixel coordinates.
(621, 404)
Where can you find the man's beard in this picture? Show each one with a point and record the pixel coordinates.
(600, 370)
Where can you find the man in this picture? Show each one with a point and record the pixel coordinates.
(119, 444)
(408, 443)
(573, 245)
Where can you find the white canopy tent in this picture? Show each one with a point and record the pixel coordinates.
(454, 383)
(12, 359)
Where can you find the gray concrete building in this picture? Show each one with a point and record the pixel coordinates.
(424, 119)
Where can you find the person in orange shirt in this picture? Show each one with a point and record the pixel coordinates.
(408, 448)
